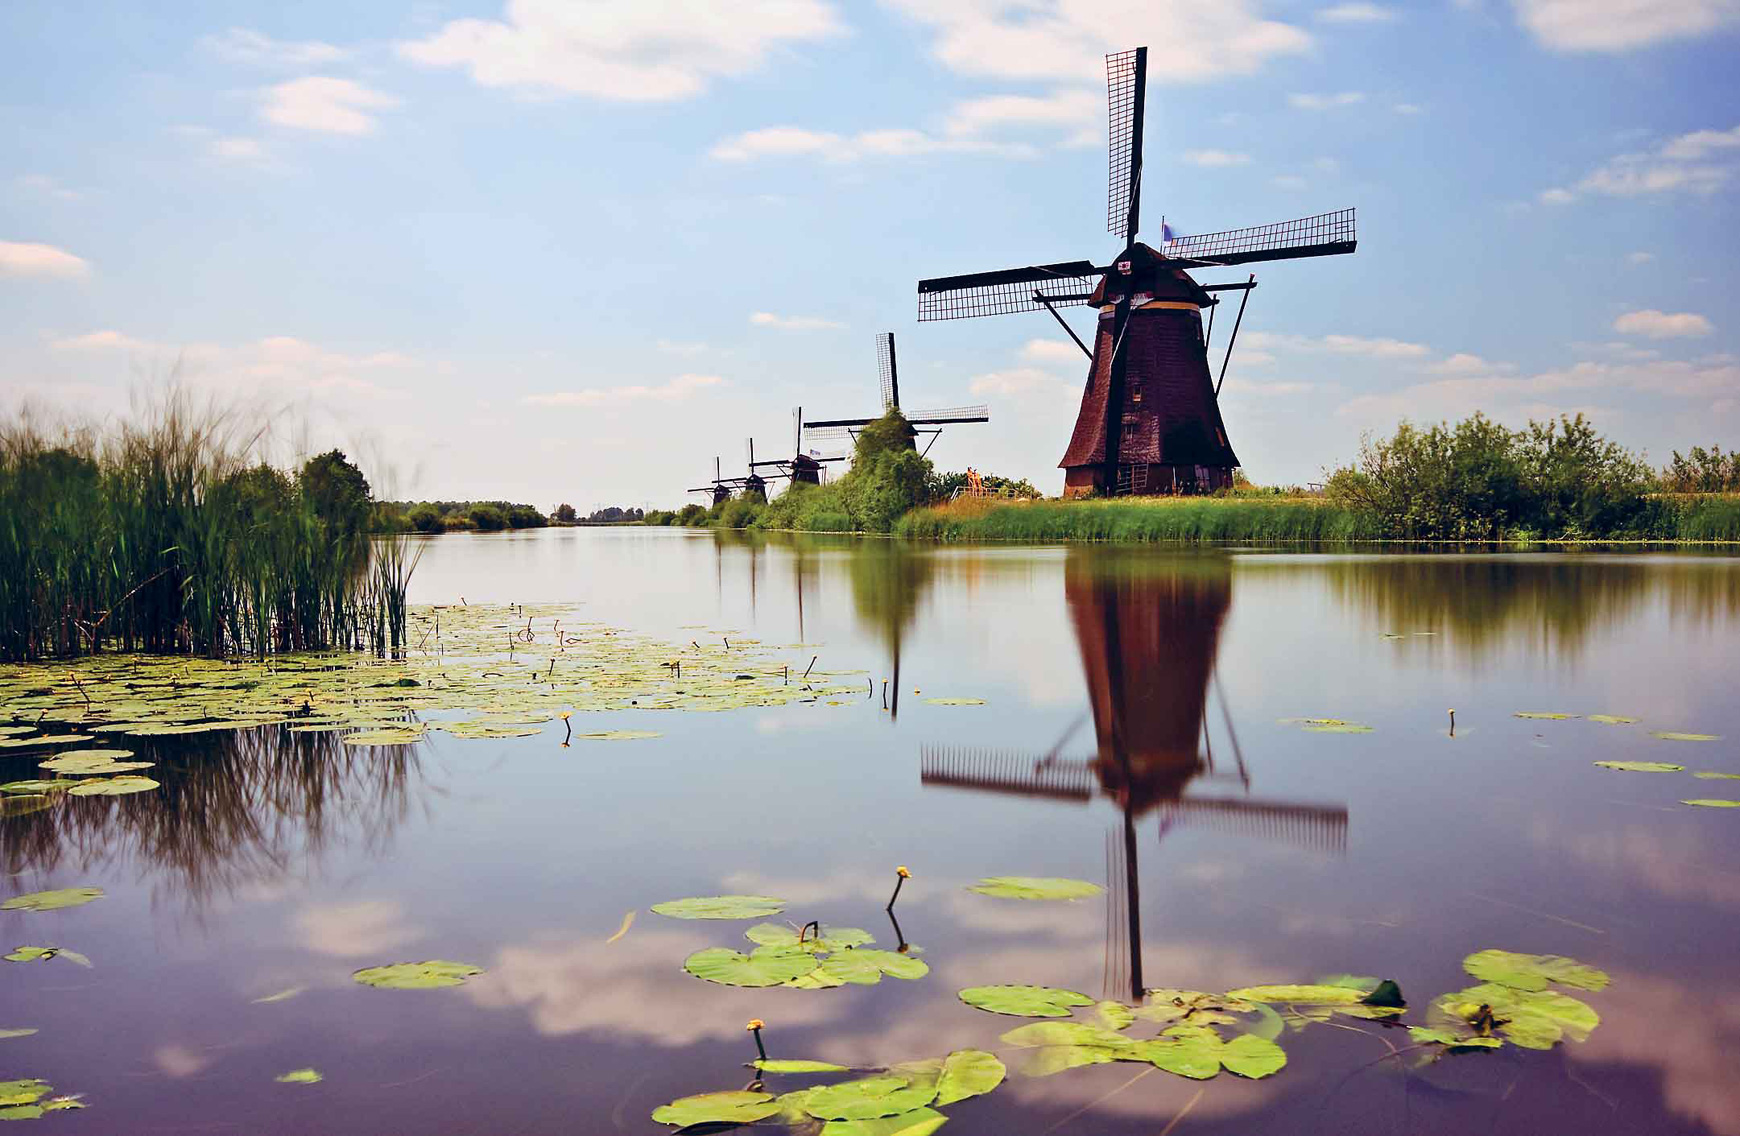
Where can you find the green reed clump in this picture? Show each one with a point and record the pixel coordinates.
(161, 534)
(1706, 518)
(1138, 519)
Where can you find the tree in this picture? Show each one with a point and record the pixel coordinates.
(337, 491)
(565, 514)
(425, 518)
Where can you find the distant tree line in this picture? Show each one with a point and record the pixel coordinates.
(456, 516)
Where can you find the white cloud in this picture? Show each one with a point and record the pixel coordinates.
(320, 102)
(101, 341)
(1356, 14)
(797, 141)
(1325, 102)
(1291, 181)
(26, 258)
(1078, 111)
(1639, 257)
(1620, 25)
(1700, 162)
(1662, 325)
(792, 323)
(1214, 158)
(353, 930)
(673, 347)
(649, 51)
(236, 148)
(42, 183)
(1377, 348)
(1406, 108)
(244, 45)
(1024, 382)
(1052, 351)
(679, 387)
(1463, 363)
(1067, 39)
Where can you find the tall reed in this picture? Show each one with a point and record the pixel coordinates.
(164, 533)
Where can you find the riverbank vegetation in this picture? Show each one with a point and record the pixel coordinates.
(168, 533)
(1472, 481)
(456, 516)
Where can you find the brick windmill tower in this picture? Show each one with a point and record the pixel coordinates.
(1150, 418)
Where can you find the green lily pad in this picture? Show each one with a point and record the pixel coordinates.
(617, 736)
(37, 786)
(888, 1094)
(1327, 725)
(1671, 736)
(968, 1073)
(480, 729)
(764, 966)
(52, 900)
(8, 1033)
(1425, 1034)
(954, 701)
(830, 939)
(1702, 775)
(1712, 803)
(865, 967)
(918, 1122)
(389, 736)
(1050, 1059)
(1168, 1004)
(91, 766)
(113, 786)
(798, 1066)
(1037, 1034)
(23, 804)
(44, 740)
(43, 954)
(1641, 766)
(1190, 1052)
(1321, 995)
(1613, 720)
(738, 1107)
(416, 975)
(1114, 1015)
(1533, 1019)
(1024, 1001)
(721, 907)
(1533, 972)
(1543, 715)
(1035, 887)
(300, 1077)
(26, 1091)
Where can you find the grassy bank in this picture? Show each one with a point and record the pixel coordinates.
(1258, 520)
(166, 533)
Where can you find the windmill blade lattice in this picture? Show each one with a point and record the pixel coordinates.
(1125, 72)
(1006, 291)
(1326, 234)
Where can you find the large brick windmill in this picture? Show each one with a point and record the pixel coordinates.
(1150, 417)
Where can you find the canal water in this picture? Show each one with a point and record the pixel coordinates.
(1129, 717)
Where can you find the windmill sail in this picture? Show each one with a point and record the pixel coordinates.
(887, 372)
(1326, 234)
(1126, 86)
(1005, 291)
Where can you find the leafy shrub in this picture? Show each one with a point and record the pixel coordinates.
(525, 517)
(692, 514)
(1703, 471)
(425, 518)
(487, 518)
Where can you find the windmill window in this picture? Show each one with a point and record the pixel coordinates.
(1136, 395)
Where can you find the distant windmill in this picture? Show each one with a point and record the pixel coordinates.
(888, 375)
(723, 487)
(800, 468)
(1150, 417)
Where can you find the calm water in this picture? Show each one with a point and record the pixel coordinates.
(1131, 735)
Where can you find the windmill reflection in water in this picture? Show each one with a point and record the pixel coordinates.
(1149, 632)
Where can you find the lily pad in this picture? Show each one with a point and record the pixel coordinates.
(1050, 1059)
(1641, 766)
(617, 736)
(1024, 1001)
(9, 1033)
(1035, 887)
(918, 1122)
(44, 740)
(1037, 1034)
(1533, 972)
(798, 1066)
(300, 1077)
(113, 786)
(1424, 1034)
(721, 907)
(954, 701)
(26, 1091)
(738, 1107)
(1543, 715)
(1671, 736)
(37, 786)
(1114, 1015)
(1712, 803)
(867, 1098)
(968, 1073)
(864, 967)
(43, 954)
(1327, 725)
(1702, 775)
(52, 900)
(830, 939)
(764, 966)
(417, 975)
(390, 736)
(1613, 719)
(1533, 1019)
(1303, 995)
(280, 996)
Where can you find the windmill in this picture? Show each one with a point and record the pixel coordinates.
(1150, 417)
(888, 375)
(722, 486)
(800, 468)
(1149, 636)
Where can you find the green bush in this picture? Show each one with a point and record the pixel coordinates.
(425, 518)
(487, 518)
(525, 517)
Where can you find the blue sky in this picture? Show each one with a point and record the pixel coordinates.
(566, 251)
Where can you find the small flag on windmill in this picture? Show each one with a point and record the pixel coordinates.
(1167, 233)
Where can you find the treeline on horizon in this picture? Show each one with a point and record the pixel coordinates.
(488, 516)
(169, 533)
(1475, 480)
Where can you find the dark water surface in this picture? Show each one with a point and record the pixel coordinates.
(1132, 735)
